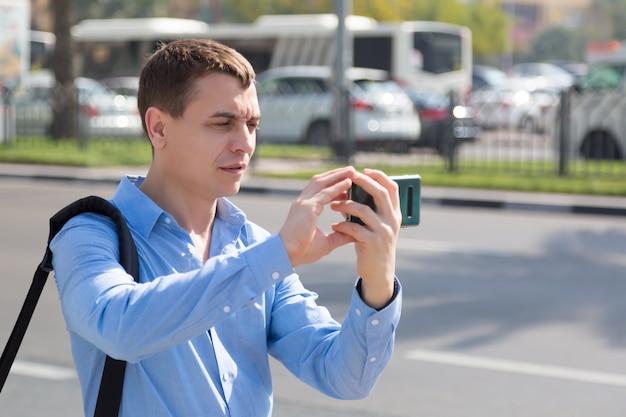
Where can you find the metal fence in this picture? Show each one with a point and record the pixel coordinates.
(100, 113)
(576, 135)
(573, 135)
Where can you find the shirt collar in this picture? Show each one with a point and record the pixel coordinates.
(143, 214)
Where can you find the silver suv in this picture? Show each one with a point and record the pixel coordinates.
(297, 105)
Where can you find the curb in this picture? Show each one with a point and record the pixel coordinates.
(479, 204)
(476, 198)
(432, 196)
(503, 205)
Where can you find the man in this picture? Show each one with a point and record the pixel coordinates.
(217, 293)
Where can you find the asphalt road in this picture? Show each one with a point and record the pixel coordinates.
(505, 313)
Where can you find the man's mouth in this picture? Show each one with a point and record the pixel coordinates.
(235, 168)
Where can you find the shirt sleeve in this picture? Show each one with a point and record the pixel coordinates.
(130, 321)
(341, 360)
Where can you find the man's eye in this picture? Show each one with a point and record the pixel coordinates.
(220, 124)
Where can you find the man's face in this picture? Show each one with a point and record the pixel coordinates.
(209, 147)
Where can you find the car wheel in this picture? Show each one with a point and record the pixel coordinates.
(401, 147)
(600, 145)
(528, 125)
(318, 133)
(341, 149)
(443, 148)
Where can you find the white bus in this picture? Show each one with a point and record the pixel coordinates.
(420, 53)
(41, 49)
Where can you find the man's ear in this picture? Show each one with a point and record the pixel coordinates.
(155, 125)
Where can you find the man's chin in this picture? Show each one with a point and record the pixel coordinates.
(233, 190)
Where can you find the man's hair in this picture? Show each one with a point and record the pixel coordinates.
(168, 77)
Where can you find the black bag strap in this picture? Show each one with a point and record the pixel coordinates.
(110, 394)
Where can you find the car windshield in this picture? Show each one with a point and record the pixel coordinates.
(377, 86)
(91, 87)
(430, 99)
(494, 76)
(291, 86)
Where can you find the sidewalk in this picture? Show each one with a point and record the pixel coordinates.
(256, 182)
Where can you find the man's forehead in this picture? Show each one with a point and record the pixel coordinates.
(226, 98)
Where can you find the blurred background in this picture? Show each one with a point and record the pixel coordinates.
(507, 312)
(463, 85)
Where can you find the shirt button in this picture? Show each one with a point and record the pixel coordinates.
(227, 376)
(275, 275)
(227, 309)
(375, 322)
(358, 312)
(373, 359)
(168, 220)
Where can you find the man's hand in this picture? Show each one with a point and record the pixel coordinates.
(375, 243)
(300, 234)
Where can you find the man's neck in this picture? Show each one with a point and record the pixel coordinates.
(192, 212)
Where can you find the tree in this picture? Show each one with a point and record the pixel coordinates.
(246, 11)
(89, 9)
(558, 43)
(490, 30)
(64, 93)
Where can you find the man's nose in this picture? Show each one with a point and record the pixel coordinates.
(244, 138)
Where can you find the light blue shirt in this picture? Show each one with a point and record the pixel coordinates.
(197, 336)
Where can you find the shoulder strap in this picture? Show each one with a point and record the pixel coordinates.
(110, 395)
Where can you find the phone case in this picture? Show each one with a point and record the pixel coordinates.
(409, 189)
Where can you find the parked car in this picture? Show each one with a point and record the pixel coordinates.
(544, 74)
(576, 68)
(597, 116)
(102, 112)
(443, 124)
(516, 106)
(125, 86)
(297, 106)
(485, 76)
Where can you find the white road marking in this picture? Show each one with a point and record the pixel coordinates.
(475, 249)
(460, 248)
(42, 370)
(525, 368)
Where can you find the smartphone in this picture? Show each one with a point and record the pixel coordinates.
(409, 188)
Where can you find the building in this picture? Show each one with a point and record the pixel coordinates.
(535, 16)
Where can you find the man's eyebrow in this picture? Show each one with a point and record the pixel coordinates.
(227, 114)
(231, 115)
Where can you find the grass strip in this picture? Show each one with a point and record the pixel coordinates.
(593, 178)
